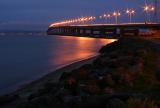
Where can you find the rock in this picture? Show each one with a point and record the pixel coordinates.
(115, 103)
(108, 90)
(64, 76)
(8, 99)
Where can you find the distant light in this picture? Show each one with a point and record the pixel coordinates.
(148, 8)
(130, 11)
(108, 15)
(72, 21)
(116, 13)
(152, 8)
(100, 17)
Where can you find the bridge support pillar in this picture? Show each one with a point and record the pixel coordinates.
(84, 32)
(69, 31)
(72, 31)
(57, 31)
(102, 33)
(65, 30)
(91, 32)
(78, 31)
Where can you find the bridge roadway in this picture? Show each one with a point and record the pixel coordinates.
(103, 30)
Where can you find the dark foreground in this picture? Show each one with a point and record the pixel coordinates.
(126, 74)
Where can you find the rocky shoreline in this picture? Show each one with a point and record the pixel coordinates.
(126, 74)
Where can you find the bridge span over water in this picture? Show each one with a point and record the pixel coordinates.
(103, 30)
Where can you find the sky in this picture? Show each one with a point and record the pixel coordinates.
(31, 14)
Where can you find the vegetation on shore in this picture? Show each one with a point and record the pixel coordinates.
(126, 74)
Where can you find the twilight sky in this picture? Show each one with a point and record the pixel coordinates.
(42, 12)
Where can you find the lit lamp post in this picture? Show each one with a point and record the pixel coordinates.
(100, 17)
(108, 16)
(116, 15)
(104, 16)
(91, 18)
(82, 20)
(147, 9)
(130, 12)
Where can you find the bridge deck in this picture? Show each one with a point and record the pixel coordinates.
(102, 29)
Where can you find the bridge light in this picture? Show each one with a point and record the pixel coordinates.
(104, 15)
(76, 20)
(127, 11)
(86, 19)
(91, 18)
(147, 9)
(152, 8)
(108, 15)
(79, 19)
(116, 14)
(82, 19)
(130, 13)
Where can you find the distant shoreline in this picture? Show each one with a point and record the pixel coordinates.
(4, 33)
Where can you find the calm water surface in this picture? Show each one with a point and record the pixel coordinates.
(26, 58)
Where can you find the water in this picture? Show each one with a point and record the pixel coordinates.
(27, 57)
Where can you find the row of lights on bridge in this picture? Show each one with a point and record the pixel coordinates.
(116, 14)
(76, 20)
(130, 12)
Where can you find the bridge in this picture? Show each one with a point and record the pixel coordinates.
(85, 26)
(103, 30)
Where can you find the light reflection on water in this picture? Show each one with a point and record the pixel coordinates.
(25, 58)
(78, 48)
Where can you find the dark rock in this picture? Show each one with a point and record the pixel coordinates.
(64, 76)
(8, 99)
(115, 103)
